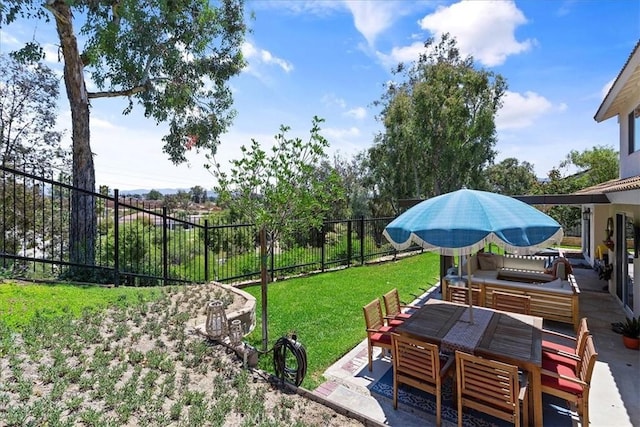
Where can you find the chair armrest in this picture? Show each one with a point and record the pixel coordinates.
(558, 334)
(378, 331)
(563, 377)
(562, 353)
(413, 307)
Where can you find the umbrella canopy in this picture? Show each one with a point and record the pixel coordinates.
(464, 221)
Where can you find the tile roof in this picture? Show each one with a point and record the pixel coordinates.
(614, 185)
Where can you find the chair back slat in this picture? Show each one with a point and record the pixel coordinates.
(513, 303)
(588, 359)
(460, 295)
(415, 358)
(488, 386)
(418, 364)
(373, 315)
(392, 302)
(581, 339)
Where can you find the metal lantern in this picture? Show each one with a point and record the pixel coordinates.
(216, 325)
(235, 332)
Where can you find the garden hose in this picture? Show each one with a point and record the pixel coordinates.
(285, 350)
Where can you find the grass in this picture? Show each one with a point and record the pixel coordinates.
(20, 303)
(325, 310)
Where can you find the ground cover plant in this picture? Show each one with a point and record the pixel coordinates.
(136, 363)
(67, 359)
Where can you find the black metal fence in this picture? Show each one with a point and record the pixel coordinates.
(145, 243)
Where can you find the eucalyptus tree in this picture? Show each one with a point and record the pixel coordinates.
(172, 58)
(439, 130)
(510, 177)
(282, 192)
(28, 134)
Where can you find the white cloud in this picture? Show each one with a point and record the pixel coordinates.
(331, 100)
(520, 111)
(357, 113)
(100, 124)
(256, 56)
(372, 17)
(484, 29)
(341, 134)
(405, 54)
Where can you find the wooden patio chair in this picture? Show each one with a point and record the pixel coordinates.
(419, 364)
(378, 334)
(513, 303)
(569, 350)
(460, 295)
(492, 387)
(561, 380)
(393, 307)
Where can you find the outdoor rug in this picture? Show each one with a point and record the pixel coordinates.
(555, 411)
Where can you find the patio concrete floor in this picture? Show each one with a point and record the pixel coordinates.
(615, 393)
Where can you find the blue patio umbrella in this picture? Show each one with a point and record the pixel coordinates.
(464, 221)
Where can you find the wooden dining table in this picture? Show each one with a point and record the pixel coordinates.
(507, 337)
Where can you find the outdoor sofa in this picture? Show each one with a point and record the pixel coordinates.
(553, 289)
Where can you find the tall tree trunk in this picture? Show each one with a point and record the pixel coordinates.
(83, 214)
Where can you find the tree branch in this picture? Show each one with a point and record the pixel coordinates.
(115, 93)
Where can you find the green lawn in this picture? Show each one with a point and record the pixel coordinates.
(324, 310)
(19, 303)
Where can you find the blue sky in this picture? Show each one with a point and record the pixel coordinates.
(332, 59)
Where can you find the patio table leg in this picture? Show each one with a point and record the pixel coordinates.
(535, 395)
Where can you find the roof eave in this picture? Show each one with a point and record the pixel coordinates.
(604, 111)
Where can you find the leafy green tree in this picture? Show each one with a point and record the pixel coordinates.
(281, 192)
(354, 180)
(595, 166)
(198, 194)
(28, 105)
(439, 129)
(180, 200)
(154, 195)
(510, 177)
(173, 58)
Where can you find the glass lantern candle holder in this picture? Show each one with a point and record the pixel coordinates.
(216, 325)
(235, 332)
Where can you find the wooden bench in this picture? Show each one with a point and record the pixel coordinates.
(556, 300)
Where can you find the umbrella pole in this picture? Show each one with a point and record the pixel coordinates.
(469, 289)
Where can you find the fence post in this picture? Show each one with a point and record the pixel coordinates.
(116, 238)
(361, 240)
(165, 251)
(272, 263)
(323, 237)
(206, 251)
(349, 244)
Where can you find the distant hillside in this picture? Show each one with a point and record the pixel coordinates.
(162, 191)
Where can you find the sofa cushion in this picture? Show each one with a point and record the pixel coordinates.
(487, 261)
(529, 276)
(558, 286)
(523, 263)
(486, 274)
